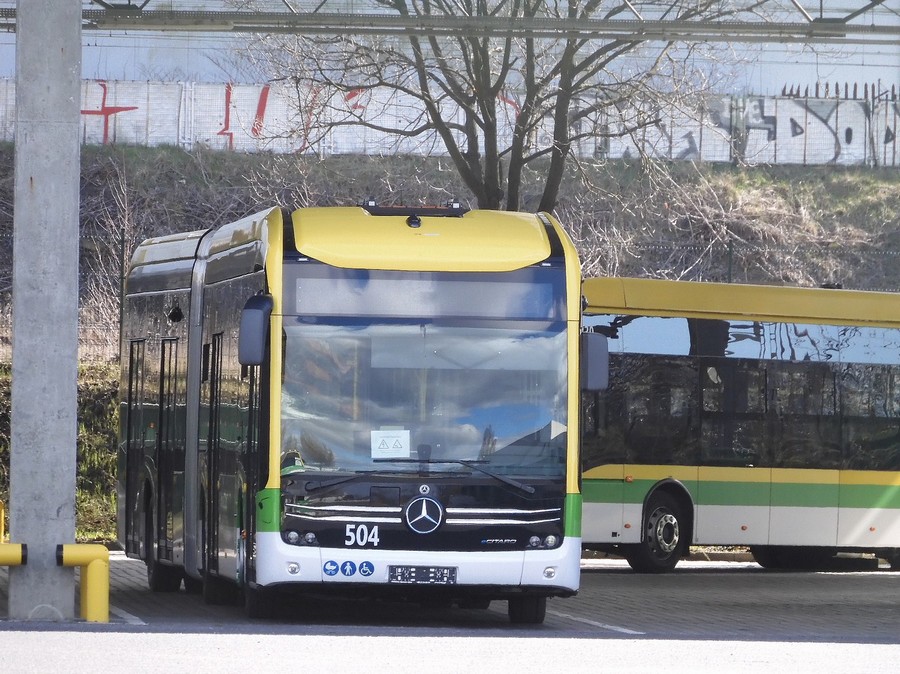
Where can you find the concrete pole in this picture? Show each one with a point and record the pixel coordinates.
(45, 304)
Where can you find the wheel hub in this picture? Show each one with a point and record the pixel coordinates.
(665, 532)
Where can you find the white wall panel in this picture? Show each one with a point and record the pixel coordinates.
(255, 118)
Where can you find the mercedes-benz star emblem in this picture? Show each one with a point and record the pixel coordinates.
(423, 515)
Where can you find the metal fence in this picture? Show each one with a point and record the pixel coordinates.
(857, 267)
(97, 342)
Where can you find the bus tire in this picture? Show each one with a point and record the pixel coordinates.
(160, 577)
(805, 558)
(766, 556)
(218, 591)
(527, 609)
(893, 559)
(792, 557)
(258, 603)
(662, 542)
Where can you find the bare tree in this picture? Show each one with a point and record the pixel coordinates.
(493, 104)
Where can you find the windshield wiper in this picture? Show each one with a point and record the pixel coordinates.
(316, 485)
(474, 465)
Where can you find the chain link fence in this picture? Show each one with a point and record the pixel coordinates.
(854, 267)
(97, 342)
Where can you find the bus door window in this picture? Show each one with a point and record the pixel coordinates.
(167, 453)
(213, 454)
(134, 441)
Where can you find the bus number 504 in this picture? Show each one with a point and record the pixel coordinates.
(361, 535)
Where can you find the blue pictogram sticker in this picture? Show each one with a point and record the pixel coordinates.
(348, 568)
(366, 568)
(330, 568)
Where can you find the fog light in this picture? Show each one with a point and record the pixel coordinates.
(293, 537)
(534, 541)
(310, 538)
(293, 568)
(550, 572)
(551, 541)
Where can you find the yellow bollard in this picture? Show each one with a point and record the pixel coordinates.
(13, 554)
(93, 559)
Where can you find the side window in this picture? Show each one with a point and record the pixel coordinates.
(870, 396)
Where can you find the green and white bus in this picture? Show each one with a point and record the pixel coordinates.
(360, 400)
(766, 417)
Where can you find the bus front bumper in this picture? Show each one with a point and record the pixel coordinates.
(557, 570)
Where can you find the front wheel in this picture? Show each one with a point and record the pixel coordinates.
(663, 542)
(527, 609)
(258, 602)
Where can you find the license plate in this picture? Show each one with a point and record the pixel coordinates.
(422, 575)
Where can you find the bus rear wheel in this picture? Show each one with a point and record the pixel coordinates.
(792, 557)
(527, 609)
(766, 556)
(663, 542)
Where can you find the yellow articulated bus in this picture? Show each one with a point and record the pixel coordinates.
(766, 417)
(359, 400)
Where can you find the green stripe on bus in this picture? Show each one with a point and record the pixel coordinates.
(870, 496)
(734, 493)
(805, 495)
(778, 494)
(573, 515)
(268, 510)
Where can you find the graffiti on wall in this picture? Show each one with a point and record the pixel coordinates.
(255, 118)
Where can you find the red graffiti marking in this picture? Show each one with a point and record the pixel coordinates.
(256, 129)
(511, 102)
(355, 94)
(258, 119)
(107, 111)
(226, 130)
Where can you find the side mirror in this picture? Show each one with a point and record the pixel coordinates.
(594, 362)
(254, 330)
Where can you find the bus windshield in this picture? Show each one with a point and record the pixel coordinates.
(398, 395)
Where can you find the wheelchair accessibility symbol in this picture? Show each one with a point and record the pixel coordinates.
(366, 568)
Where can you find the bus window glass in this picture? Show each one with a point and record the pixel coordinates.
(356, 394)
(747, 393)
